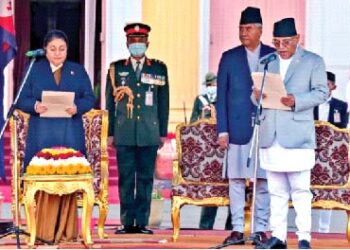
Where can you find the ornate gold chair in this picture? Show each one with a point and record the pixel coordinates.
(95, 125)
(58, 184)
(330, 180)
(198, 172)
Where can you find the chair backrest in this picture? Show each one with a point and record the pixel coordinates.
(332, 155)
(199, 157)
(96, 132)
(95, 124)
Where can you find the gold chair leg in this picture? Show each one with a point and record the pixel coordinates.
(88, 203)
(348, 226)
(247, 218)
(175, 216)
(29, 205)
(102, 219)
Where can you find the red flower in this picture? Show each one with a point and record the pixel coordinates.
(170, 135)
(64, 156)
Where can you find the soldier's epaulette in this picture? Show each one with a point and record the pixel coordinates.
(157, 61)
(121, 61)
(126, 61)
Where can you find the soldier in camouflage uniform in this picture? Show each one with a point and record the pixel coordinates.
(203, 104)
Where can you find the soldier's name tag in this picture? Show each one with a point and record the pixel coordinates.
(149, 98)
(336, 116)
(153, 79)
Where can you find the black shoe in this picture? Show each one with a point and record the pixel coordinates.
(272, 243)
(142, 230)
(304, 244)
(235, 238)
(259, 238)
(125, 230)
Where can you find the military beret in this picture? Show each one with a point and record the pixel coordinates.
(250, 15)
(137, 29)
(284, 28)
(330, 76)
(209, 78)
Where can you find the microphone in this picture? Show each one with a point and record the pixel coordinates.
(268, 59)
(35, 53)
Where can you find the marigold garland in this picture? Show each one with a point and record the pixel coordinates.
(58, 161)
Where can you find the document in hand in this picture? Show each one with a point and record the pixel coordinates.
(57, 102)
(274, 89)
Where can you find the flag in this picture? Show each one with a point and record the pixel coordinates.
(7, 53)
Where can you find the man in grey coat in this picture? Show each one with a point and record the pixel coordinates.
(287, 137)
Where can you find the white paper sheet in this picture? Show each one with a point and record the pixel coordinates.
(57, 102)
(274, 89)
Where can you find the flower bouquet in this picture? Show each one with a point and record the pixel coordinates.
(58, 161)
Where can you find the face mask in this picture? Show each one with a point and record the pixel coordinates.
(137, 49)
(211, 90)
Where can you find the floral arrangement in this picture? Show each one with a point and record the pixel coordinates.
(58, 160)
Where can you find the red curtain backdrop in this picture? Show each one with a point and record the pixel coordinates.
(22, 26)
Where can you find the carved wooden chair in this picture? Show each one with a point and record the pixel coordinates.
(198, 172)
(330, 178)
(96, 129)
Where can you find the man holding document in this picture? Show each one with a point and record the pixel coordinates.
(287, 132)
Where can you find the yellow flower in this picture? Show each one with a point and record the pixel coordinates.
(88, 170)
(70, 169)
(29, 170)
(60, 170)
(50, 169)
(42, 170)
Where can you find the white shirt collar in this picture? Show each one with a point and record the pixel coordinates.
(134, 62)
(255, 52)
(284, 64)
(55, 68)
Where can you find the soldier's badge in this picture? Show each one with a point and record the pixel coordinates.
(159, 80)
(153, 79)
(123, 76)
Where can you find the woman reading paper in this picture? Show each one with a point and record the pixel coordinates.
(56, 215)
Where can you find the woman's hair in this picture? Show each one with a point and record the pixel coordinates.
(55, 34)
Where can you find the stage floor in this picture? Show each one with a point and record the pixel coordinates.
(189, 239)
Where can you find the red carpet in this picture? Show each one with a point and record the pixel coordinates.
(189, 239)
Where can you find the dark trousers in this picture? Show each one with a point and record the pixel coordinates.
(208, 215)
(136, 170)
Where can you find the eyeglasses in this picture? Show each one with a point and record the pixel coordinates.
(285, 42)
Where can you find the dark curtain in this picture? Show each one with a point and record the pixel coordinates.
(22, 25)
(63, 15)
(97, 56)
(82, 32)
(34, 18)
